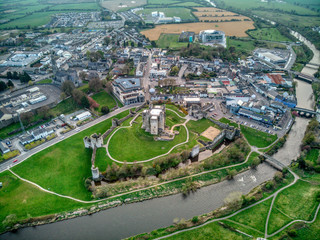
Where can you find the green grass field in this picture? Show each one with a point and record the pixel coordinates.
(212, 231)
(254, 217)
(270, 34)
(134, 144)
(172, 119)
(26, 201)
(257, 138)
(200, 125)
(32, 13)
(65, 107)
(183, 13)
(227, 121)
(104, 99)
(170, 41)
(64, 166)
(44, 81)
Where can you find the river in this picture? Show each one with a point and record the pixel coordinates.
(132, 219)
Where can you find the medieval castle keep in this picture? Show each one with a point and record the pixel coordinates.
(154, 119)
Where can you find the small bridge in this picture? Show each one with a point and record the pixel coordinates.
(305, 77)
(305, 112)
(274, 162)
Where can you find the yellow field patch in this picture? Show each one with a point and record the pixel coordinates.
(211, 133)
(237, 28)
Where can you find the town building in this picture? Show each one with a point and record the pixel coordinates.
(153, 119)
(128, 90)
(82, 116)
(3, 148)
(213, 37)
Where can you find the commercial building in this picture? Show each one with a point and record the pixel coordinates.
(213, 37)
(83, 116)
(128, 90)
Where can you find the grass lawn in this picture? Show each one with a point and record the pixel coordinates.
(172, 119)
(102, 159)
(44, 81)
(64, 166)
(200, 125)
(4, 131)
(104, 99)
(270, 34)
(212, 231)
(310, 231)
(257, 138)
(65, 107)
(313, 155)
(254, 217)
(175, 108)
(227, 121)
(170, 41)
(26, 201)
(298, 201)
(134, 144)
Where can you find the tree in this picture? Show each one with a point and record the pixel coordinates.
(255, 162)
(10, 84)
(95, 84)
(67, 87)
(85, 102)
(3, 86)
(27, 117)
(153, 44)
(106, 41)
(44, 112)
(24, 77)
(231, 173)
(15, 75)
(9, 75)
(77, 95)
(93, 103)
(132, 44)
(63, 96)
(108, 87)
(105, 110)
(83, 76)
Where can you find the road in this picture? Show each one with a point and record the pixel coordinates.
(25, 155)
(146, 78)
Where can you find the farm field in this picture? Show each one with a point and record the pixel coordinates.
(215, 14)
(121, 5)
(34, 13)
(237, 29)
(183, 13)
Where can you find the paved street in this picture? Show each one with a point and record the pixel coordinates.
(9, 163)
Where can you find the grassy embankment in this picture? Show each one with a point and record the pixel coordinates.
(258, 138)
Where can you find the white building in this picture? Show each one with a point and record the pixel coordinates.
(83, 116)
(213, 37)
(38, 99)
(154, 119)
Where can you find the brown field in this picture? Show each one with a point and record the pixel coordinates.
(237, 28)
(224, 18)
(216, 14)
(211, 133)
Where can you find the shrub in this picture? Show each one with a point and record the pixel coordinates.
(269, 185)
(278, 176)
(195, 219)
(292, 233)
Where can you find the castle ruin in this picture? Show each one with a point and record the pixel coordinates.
(94, 141)
(153, 119)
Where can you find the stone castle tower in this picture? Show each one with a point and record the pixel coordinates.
(154, 119)
(94, 141)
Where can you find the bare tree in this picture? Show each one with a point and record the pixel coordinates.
(67, 87)
(83, 76)
(95, 84)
